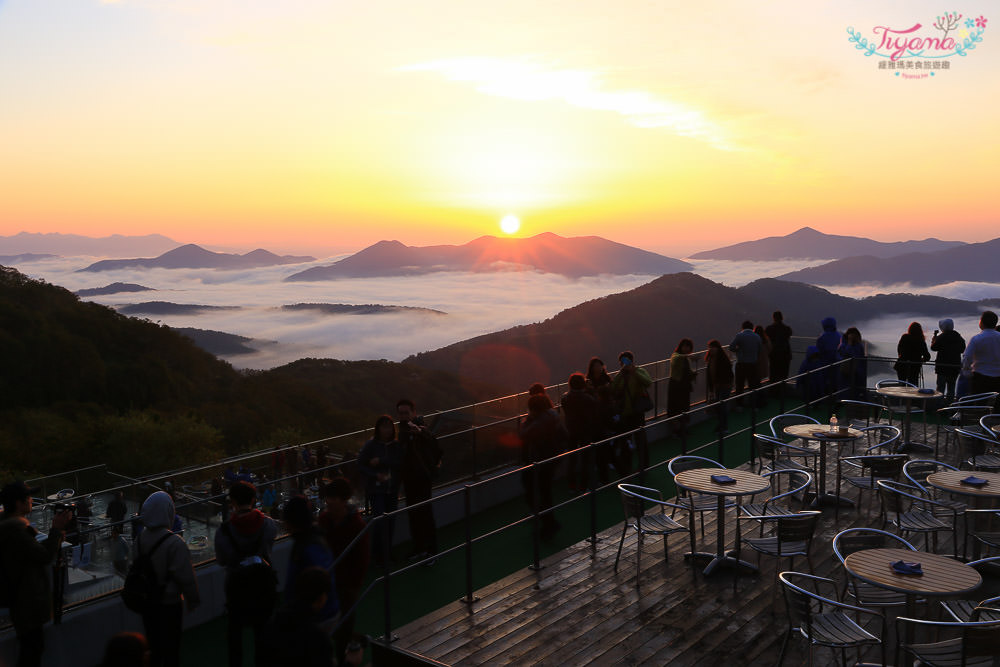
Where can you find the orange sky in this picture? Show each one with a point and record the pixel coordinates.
(317, 124)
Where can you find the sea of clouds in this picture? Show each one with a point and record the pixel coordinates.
(473, 303)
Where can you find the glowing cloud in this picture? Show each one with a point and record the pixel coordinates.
(534, 83)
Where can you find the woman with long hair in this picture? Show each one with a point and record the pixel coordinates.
(911, 353)
(680, 385)
(719, 378)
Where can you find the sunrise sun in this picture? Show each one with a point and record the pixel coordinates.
(510, 224)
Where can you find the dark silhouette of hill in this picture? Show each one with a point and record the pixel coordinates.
(113, 288)
(650, 319)
(573, 257)
(75, 244)
(191, 256)
(218, 343)
(23, 258)
(168, 308)
(808, 243)
(974, 262)
(365, 309)
(82, 382)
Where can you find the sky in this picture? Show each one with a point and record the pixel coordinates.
(327, 125)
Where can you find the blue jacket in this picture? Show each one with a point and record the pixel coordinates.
(828, 341)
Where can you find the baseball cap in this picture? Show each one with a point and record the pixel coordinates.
(16, 491)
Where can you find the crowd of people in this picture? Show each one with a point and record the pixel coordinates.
(330, 555)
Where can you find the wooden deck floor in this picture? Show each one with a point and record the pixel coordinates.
(578, 611)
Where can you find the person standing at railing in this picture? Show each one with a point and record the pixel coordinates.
(243, 546)
(599, 386)
(631, 389)
(911, 351)
(780, 357)
(421, 464)
(679, 386)
(719, 378)
(580, 413)
(827, 345)
(341, 523)
(982, 357)
(747, 347)
(171, 561)
(26, 576)
(949, 346)
(542, 436)
(855, 372)
(379, 463)
(763, 361)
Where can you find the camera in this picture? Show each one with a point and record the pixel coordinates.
(62, 507)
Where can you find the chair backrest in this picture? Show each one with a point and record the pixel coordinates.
(804, 597)
(682, 463)
(851, 540)
(985, 398)
(978, 642)
(882, 437)
(987, 422)
(916, 470)
(977, 443)
(633, 502)
(797, 528)
(779, 422)
(895, 500)
(797, 483)
(851, 410)
(977, 639)
(885, 467)
(767, 447)
(893, 383)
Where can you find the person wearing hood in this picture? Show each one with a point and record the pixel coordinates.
(245, 539)
(812, 377)
(171, 561)
(828, 341)
(949, 346)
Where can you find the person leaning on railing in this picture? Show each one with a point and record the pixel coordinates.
(949, 346)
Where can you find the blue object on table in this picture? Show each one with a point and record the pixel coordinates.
(723, 479)
(925, 391)
(975, 481)
(903, 567)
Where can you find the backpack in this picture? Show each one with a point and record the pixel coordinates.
(143, 590)
(251, 585)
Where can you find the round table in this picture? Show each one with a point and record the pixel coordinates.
(824, 436)
(699, 480)
(942, 576)
(983, 497)
(909, 395)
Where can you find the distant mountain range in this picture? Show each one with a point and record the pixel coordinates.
(13, 260)
(191, 256)
(650, 319)
(574, 257)
(365, 309)
(808, 243)
(167, 308)
(219, 343)
(973, 262)
(74, 244)
(113, 288)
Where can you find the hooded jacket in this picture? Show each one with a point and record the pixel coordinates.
(171, 560)
(250, 533)
(949, 346)
(828, 341)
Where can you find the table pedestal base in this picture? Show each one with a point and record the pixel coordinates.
(716, 561)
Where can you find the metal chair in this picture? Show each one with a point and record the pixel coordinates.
(696, 502)
(868, 470)
(965, 611)
(976, 643)
(896, 406)
(851, 540)
(904, 507)
(859, 414)
(816, 612)
(779, 422)
(635, 500)
(776, 454)
(799, 482)
(791, 536)
(989, 538)
(917, 470)
(988, 423)
(962, 413)
(985, 450)
(882, 438)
